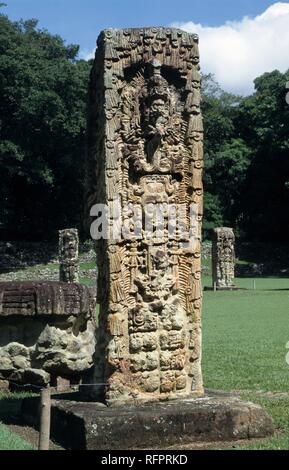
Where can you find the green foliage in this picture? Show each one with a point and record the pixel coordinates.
(43, 89)
(219, 109)
(213, 216)
(42, 127)
(230, 169)
(247, 158)
(264, 124)
(226, 157)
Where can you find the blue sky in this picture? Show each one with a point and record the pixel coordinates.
(80, 21)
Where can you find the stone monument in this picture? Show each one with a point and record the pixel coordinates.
(223, 258)
(47, 331)
(145, 161)
(68, 255)
(146, 149)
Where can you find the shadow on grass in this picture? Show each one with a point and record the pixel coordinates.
(272, 273)
(271, 259)
(19, 255)
(10, 409)
(276, 290)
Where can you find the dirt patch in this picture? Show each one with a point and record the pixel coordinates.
(30, 435)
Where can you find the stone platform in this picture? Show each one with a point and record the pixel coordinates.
(47, 331)
(215, 417)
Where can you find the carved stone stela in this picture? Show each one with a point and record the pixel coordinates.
(146, 148)
(68, 256)
(223, 258)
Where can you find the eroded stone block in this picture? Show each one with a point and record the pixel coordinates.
(46, 330)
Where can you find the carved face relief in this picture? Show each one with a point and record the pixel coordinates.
(158, 114)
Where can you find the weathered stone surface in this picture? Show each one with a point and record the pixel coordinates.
(53, 332)
(43, 298)
(62, 385)
(68, 255)
(30, 376)
(223, 258)
(79, 425)
(146, 149)
(4, 386)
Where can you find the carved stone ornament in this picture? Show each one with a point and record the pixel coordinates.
(223, 258)
(68, 256)
(146, 148)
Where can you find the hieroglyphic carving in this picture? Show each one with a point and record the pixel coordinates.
(146, 148)
(223, 258)
(68, 256)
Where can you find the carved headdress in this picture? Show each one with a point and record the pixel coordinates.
(158, 86)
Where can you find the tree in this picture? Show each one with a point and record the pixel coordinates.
(42, 129)
(230, 174)
(226, 157)
(264, 125)
(43, 88)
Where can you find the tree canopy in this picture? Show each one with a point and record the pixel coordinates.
(43, 93)
(247, 159)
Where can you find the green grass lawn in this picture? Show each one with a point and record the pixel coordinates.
(55, 266)
(10, 441)
(10, 406)
(244, 348)
(245, 334)
(87, 282)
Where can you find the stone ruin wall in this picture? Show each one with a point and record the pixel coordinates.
(146, 146)
(47, 330)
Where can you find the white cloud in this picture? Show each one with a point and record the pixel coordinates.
(238, 52)
(86, 54)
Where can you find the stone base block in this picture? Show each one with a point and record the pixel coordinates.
(4, 385)
(87, 425)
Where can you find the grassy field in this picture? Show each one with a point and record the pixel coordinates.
(10, 407)
(244, 348)
(10, 441)
(245, 334)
